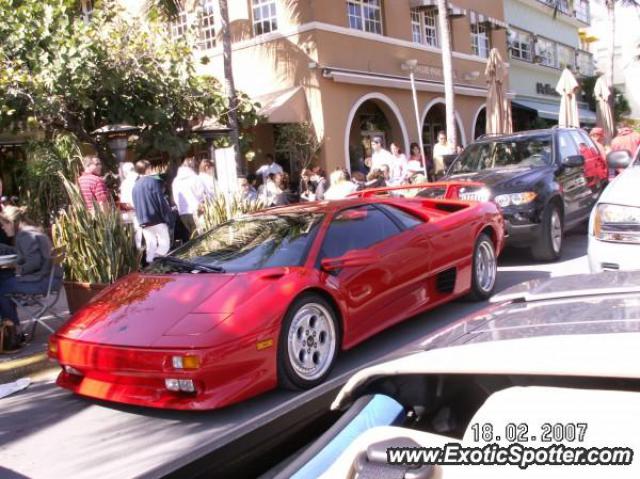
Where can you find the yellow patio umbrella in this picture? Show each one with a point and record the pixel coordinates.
(604, 118)
(498, 108)
(567, 88)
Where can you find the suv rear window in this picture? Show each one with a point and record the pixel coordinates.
(528, 152)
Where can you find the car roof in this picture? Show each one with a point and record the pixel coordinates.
(522, 134)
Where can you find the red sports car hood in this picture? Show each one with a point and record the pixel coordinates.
(139, 309)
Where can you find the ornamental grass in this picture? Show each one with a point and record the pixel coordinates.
(100, 247)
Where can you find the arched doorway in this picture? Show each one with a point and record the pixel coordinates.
(480, 123)
(372, 115)
(434, 119)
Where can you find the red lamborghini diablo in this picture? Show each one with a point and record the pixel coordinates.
(271, 298)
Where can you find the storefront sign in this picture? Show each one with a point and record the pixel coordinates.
(545, 89)
(433, 72)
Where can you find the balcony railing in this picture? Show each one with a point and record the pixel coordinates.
(576, 8)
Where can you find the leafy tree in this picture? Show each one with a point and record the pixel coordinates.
(62, 74)
(300, 141)
(621, 106)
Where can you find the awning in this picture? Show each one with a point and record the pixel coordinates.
(494, 23)
(550, 111)
(454, 11)
(284, 106)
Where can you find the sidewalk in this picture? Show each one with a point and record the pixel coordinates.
(33, 357)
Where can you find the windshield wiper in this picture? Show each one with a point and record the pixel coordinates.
(190, 264)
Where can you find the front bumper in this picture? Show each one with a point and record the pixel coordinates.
(522, 226)
(610, 256)
(137, 376)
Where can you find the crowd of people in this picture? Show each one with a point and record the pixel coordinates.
(164, 212)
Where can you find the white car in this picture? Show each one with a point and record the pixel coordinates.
(614, 225)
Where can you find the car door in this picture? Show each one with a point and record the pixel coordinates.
(576, 192)
(372, 293)
(601, 169)
(593, 163)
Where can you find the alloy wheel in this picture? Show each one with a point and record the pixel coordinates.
(311, 342)
(486, 266)
(556, 231)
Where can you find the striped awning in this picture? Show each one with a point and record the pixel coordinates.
(494, 23)
(454, 11)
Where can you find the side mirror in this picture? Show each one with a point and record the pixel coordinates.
(619, 159)
(352, 259)
(573, 161)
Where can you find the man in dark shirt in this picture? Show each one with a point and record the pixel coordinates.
(152, 211)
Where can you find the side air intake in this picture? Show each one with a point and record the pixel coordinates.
(446, 281)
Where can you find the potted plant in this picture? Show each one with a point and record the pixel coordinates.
(100, 248)
(219, 209)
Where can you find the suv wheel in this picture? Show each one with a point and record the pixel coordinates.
(549, 246)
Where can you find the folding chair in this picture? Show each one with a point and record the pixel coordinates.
(45, 302)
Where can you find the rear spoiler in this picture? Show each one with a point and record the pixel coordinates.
(451, 189)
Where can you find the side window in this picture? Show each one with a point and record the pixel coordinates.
(586, 139)
(407, 220)
(356, 228)
(566, 145)
(580, 141)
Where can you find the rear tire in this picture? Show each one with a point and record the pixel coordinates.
(309, 341)
(485, 267)
(549, 246)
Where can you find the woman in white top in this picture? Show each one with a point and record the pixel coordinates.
(206, 174)
(269, 191)
(340, 187)
(398, 169)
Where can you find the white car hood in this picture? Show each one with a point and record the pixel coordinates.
(624, 189)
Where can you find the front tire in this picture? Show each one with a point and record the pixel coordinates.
(549, 246)
(308, 344)
(485, 267)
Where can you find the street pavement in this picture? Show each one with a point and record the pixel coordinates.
(46, 432)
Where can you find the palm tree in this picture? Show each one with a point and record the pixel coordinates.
(170, 9)
(447, 71)
(229, 83)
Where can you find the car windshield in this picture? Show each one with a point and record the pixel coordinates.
(245, 244)
(527, 152)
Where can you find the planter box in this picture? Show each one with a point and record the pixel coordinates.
(79, 294)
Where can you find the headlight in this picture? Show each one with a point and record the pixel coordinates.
(515, 199)
(617, 223)
(483, 194)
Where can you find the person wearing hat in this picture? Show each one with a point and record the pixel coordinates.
(33, 263)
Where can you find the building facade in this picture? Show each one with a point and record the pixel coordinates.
(540, 47)
(626, 70)
(341, 66)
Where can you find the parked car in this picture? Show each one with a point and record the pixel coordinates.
(549, 358)
(614, 226)
(545, 181)
(272, 297)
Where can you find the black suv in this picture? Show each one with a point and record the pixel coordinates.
(538, 179)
